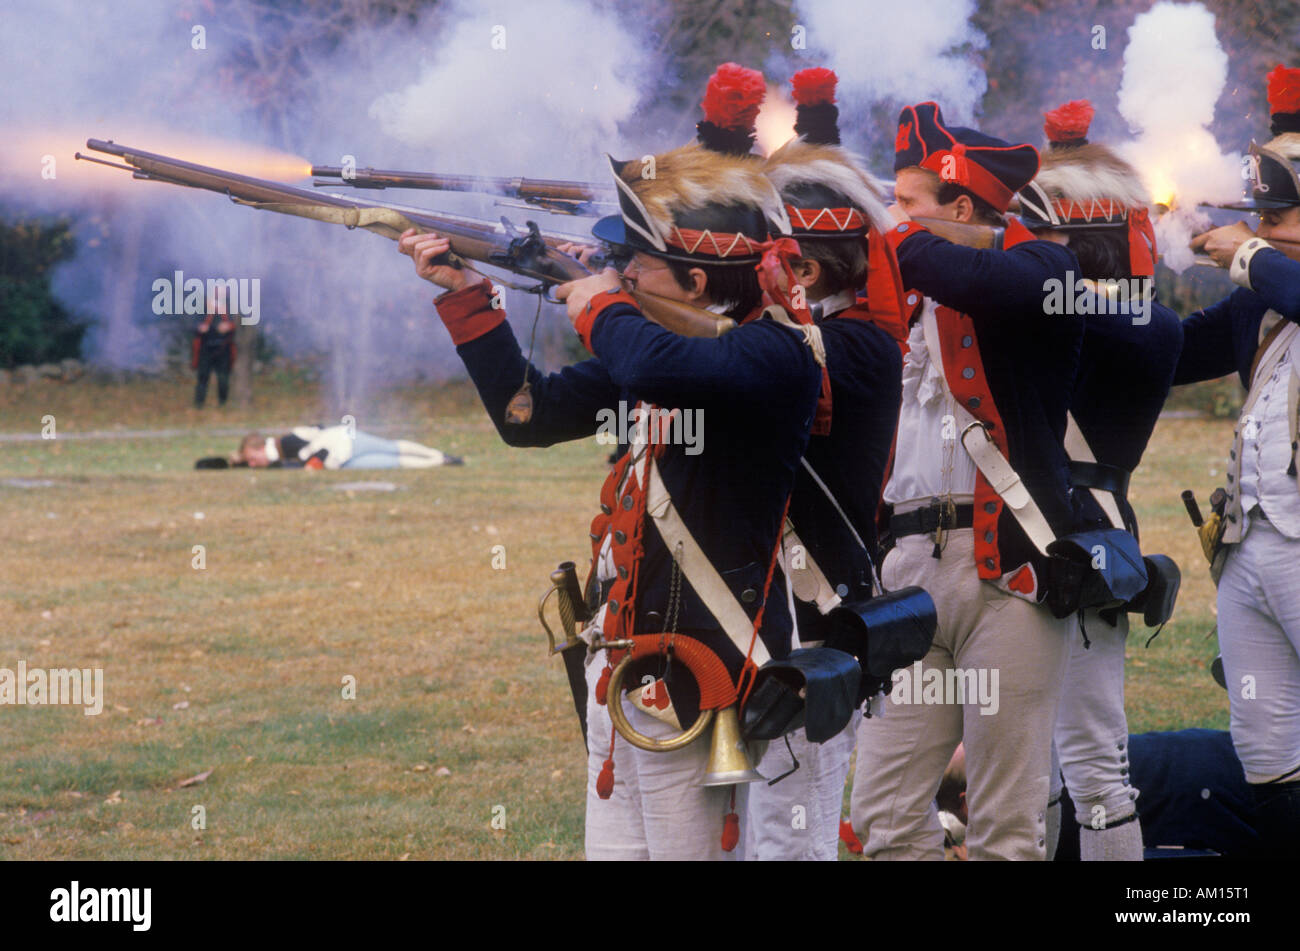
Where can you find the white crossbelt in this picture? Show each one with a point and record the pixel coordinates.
(699, 571)
(806, 577)
(1077, 448)
(1006, 482)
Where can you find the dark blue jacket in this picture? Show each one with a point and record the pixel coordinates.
(1013, 366)
(1193, 796)
(1125, 374)
(865, 367)
(757, 387)
(1223, 337)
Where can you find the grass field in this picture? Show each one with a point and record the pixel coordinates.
(239, 667)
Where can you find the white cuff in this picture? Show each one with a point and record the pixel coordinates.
(1240, 270)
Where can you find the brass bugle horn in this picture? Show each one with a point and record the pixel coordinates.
(729, 761)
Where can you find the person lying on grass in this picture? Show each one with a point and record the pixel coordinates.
(330, 447)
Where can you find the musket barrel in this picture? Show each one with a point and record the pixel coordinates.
(481, 241)
(553, 189)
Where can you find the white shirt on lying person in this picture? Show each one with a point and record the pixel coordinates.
(335, 440)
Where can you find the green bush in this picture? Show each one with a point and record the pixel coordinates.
(34, 327)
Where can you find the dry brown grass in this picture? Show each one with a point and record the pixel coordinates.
(305, 585)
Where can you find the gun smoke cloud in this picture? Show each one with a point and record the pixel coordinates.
(1174, 73)
(889, 52)
(463, 89)
(511, 88)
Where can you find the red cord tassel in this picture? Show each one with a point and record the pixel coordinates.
(605, 781)
(731, 826)
(730, 831)
(849, 837)
(602, 685)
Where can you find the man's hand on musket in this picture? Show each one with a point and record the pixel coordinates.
(576, 294)
(423, 249)
(582, 252)
(1222, 243)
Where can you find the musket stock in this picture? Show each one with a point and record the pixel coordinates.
(987, 237)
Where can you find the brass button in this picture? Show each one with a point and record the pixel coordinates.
(988, 536)
(613, 606)
(968, 374)
(990, 564)
(622, 572)
(628, 502)
(974, 403)
(990, 507)
(620, 536)
(967, 340)
(606, 509)
(749, 595)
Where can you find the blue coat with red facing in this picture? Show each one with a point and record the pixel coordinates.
(1013, 366)
(757, 387)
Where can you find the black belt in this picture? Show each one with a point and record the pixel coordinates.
(1098, 475)
(924, 521)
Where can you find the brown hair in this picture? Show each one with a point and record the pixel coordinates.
(252, 439)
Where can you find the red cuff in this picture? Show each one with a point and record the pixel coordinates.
(595, 307)
(468, 313)
(897, 234)
(313, 463)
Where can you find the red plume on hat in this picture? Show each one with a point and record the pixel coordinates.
(731, 102)
(1284, 99)
(817, 117)
(1068, 124)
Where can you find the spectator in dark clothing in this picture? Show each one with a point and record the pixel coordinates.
(213, 351)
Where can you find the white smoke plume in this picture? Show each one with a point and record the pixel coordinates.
(1174, 73)
(886, 51)
(512, 89)
(462, 90)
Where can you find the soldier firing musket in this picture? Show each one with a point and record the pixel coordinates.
(1254, 544)
(531, 253)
